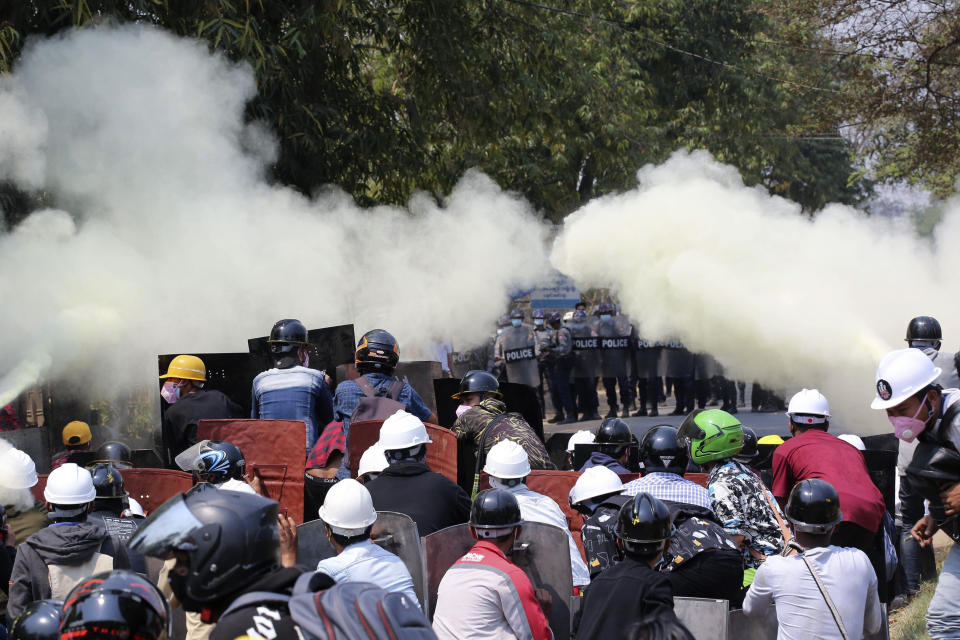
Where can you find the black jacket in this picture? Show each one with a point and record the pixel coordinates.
(433, 501)
(62, 544)
(621, 595)
(180, 419)
(259, 616)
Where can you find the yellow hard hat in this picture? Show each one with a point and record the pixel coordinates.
(187, 368)
(76, 432)
(770, 440)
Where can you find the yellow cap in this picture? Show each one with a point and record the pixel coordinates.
(770, 440)
(186, 368)
(76, 432)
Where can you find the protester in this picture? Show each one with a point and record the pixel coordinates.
(219, 463)
(348, 517)
(508, 467)
(118, 604)
(189, 403)
(484, 595)
(598, 497)
(813, 453)
(53, 560)
(826, 591)
(614, 439)
(580, 437)
(291, 390)
(76, 438)
(408, 485)
(632, 588)
(40, 620)
(483, 420)
(372, 463)
(25, 514)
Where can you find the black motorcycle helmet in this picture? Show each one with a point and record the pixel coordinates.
(643, 525)
(219, 461)
(116, 604)
(377, 352)
(613, 436)
(492, 511)
(814, 506)
(925, 329)
(660, 451)
(107, 481)
(287, 336)
(227, 539)
(39, 621)
(116, 453)
(751, 450)
(478, 381)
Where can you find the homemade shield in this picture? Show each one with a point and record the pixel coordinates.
(419, 374)
(534, 552)
(441, 453)
(763, 627)
(329, 348)
(519, 356)
(152, 487)
(231, 374)
(313, 544)
(397, 533)
(274, 451)
(614, 340)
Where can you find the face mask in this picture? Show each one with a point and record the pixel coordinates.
(170, 391)
(605, 318)
(516, 322)
(909, 428)
(462, 409)
(539, 323)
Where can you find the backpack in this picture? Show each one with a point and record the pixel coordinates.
(64, 577)
(347, 611)
(377, 404)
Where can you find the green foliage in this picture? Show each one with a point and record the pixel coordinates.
(559, 102)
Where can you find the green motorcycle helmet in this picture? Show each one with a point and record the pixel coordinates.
(711, 434)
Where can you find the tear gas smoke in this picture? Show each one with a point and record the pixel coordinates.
(169, 238)
(777, 297)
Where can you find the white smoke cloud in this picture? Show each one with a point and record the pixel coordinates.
(777, 297)
(175, 242)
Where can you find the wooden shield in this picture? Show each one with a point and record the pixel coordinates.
(152, 487)
(275, 452)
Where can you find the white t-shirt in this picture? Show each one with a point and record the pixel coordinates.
(802, 613)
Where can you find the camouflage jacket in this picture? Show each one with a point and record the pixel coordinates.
(473, 423)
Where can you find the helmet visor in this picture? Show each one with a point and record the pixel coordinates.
(187, 459)
(170, 528)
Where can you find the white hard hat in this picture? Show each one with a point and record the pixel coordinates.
(17, 470)
(595, 481)
(348, 508)
(852, 439)
(69, 484)
(901, 374)
(135, 508)
(806, 405)
(506, 460)
(403, 430)
(580, 437)
(372, 460)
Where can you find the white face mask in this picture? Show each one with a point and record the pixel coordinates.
(538, 322)
(516, 322)
(462, 409)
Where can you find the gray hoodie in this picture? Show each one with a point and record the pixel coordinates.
(58, 544)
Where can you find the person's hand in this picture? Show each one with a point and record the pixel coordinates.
(545, 599)
(288, 540)
(951, 499)
(254, 482)
(923, 531)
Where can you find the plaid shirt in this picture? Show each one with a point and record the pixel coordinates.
(332, 439)
(669, 486)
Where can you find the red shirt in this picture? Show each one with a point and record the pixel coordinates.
(817, 454)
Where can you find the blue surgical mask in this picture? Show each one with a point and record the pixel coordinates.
(538, 322)
(516, 322)
(605, 317)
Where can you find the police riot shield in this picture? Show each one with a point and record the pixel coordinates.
(615, 346)
(676, 361)
(519, 398)
(519, 356)
(419, 374)
(586, 351)
(313, 544)
(705, 366)
(535, 552)
(478, 358)
(397, 533)
(648, 358)
(329, 347)
(274, 451)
